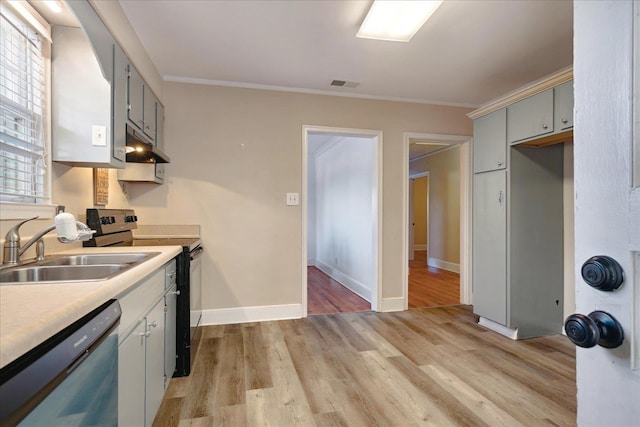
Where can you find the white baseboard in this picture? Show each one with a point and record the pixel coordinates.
(445, 265)
(422, 247)
(497, 327)
(392, 304)
(348, 282)
(311, 262)
(224, 316)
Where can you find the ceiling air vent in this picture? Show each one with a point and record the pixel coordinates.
(344, 83)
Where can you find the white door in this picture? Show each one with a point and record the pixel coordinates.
(607, 213)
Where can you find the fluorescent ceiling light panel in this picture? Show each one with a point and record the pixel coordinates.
(54, 5)
(436, 144)
(396, 20)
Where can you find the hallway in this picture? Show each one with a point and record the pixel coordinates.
(428, 287)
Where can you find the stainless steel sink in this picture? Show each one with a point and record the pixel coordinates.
(72, 268)
(60, 273)
(94, 259)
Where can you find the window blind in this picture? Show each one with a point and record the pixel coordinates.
(23, 149)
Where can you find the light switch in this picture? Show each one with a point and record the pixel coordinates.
(293, 199)
(99, 136)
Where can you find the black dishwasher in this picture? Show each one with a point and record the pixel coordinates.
(70, 379)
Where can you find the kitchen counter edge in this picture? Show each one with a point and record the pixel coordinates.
(29, 314)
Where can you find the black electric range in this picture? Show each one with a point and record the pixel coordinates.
(114, 228)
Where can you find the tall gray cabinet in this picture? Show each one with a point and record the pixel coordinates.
(517, 240)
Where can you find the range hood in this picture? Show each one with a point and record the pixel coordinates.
(140, 150)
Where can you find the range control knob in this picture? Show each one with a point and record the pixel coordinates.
(599, 327)
(603, 273)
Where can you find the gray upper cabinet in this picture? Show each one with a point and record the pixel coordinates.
(85, 94)
(563, 106)
(530, 118)
(142, 104)
(135, 98)
(149, 114)
(119, 117)
(489, 142)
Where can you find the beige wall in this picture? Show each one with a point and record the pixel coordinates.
(444, 203)
(420, 187)
(236, 152)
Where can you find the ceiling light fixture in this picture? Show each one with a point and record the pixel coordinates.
(396, 20)
(436, 144)
(54, 5)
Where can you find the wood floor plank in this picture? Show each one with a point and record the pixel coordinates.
(481, 406)
(429, 286)
(437, 392)
(326, 295)
(432, 366)
(258, 373)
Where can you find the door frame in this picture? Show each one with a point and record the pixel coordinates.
(376, 294)
(465, 144)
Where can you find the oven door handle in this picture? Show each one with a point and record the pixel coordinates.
(196, 252)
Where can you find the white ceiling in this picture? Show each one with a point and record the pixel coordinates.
(468, 53)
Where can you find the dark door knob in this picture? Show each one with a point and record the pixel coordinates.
(598, 328)
(603, 273)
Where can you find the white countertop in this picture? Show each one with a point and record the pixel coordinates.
(29, 314)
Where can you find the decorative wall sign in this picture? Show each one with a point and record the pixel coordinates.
(100, 186)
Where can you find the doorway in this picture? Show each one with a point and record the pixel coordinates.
(341, 211)
(436, 270)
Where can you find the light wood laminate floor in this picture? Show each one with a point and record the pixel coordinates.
(419, 367)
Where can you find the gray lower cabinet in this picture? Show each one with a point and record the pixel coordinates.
(154, 357)
(147, 336)
(518, 242)
(489, 142)
(131, 374)
(490, 245)
(170, 332)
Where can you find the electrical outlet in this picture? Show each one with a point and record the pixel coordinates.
(293, 199)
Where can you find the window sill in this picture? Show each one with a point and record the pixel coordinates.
(12, 211)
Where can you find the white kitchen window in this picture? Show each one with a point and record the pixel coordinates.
(24, 107)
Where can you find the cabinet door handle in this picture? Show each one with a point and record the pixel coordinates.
(499, 162)
(564, 121)
(175, 293)
(154, 324)
(500, 197)
(146, 334)
(545, 126)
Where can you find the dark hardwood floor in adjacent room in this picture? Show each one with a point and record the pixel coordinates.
(326, 296)
(430, 286)
(431, 366)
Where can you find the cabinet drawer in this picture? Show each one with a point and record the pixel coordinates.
(530, 117)
(136, 303)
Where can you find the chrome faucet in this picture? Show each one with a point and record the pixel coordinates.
(13, 250)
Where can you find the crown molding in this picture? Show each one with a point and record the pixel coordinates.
(552, 80)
